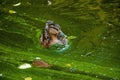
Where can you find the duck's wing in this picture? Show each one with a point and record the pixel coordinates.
(45, 38)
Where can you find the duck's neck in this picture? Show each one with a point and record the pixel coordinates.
(54, 37)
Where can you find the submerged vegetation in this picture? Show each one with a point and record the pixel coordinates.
(92, 27)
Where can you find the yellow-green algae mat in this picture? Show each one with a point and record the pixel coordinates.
(93, 52)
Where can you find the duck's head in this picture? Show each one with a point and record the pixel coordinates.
(52, 27)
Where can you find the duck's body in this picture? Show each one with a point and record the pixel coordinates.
(53, 35)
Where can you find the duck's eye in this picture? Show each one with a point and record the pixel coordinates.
(53, 28)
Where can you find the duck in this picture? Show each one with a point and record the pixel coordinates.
(52, 35)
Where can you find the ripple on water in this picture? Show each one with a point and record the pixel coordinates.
(59, 49)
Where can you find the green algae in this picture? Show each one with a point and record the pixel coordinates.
(93, 51)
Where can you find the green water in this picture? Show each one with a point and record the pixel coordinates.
(93, 53)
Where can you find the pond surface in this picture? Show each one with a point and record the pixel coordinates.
(93, 33)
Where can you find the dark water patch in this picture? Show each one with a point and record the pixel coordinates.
(54, 74)
(5, 78)
(74, 71)
(6, 62)
(7, 66)
(15, 40)
(26, 61)
(33, 21)
(1, 53)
